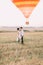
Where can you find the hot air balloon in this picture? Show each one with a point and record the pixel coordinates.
(26, 7)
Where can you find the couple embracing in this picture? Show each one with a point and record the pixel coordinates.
(20, 35)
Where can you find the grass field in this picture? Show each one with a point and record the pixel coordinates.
(14, 53)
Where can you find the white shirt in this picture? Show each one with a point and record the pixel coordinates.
(22, 32)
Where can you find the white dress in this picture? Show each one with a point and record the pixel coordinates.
(18, 36)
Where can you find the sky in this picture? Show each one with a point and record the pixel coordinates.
(11, 16)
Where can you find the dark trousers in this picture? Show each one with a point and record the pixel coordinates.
(22, 40)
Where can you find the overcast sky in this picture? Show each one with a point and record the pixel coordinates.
(10, 15)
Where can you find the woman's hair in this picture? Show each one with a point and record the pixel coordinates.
(17, 28)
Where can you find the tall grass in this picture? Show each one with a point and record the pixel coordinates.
(14, 53)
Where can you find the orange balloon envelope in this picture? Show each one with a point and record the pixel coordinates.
(26, 6)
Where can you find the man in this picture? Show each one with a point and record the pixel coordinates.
(22, 34)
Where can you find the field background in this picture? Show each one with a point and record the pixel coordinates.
(14, 53)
